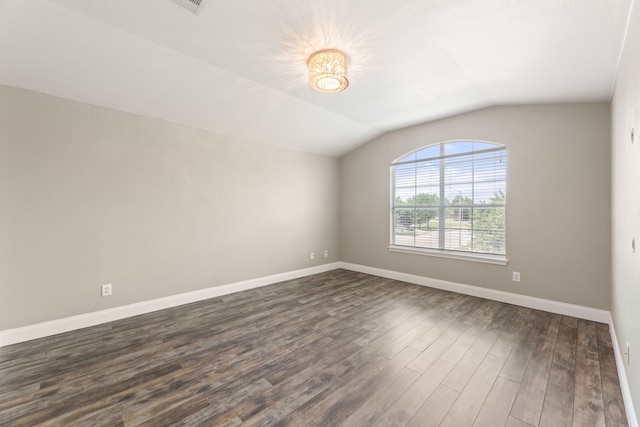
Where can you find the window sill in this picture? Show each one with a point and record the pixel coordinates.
(463, 256)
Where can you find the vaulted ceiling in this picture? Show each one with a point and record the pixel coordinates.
(239, 66)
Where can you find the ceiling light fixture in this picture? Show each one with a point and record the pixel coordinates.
(328, 71)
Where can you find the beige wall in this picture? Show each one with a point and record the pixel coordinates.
(90, 195)
(625, 301)
(558, 192)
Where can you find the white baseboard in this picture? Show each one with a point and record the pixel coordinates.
(587, 313)
(40, 330)
(622, 376)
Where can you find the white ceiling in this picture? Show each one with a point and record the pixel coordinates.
(239, 65)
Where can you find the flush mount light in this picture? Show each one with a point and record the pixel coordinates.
(328, 71)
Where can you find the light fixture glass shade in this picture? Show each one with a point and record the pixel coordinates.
(328, 71)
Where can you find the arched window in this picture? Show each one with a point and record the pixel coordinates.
(450, 197)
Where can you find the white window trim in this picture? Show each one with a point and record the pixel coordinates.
(458, 255)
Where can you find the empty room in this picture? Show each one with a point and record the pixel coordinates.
(312, 213)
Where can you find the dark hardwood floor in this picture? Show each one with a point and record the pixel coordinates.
(334, 349)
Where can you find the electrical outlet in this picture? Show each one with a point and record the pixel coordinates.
(516, 276)
(628, 354)
(106, 289)
(326, 253)
(312, 255)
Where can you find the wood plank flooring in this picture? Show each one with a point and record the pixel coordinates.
(334, 349)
